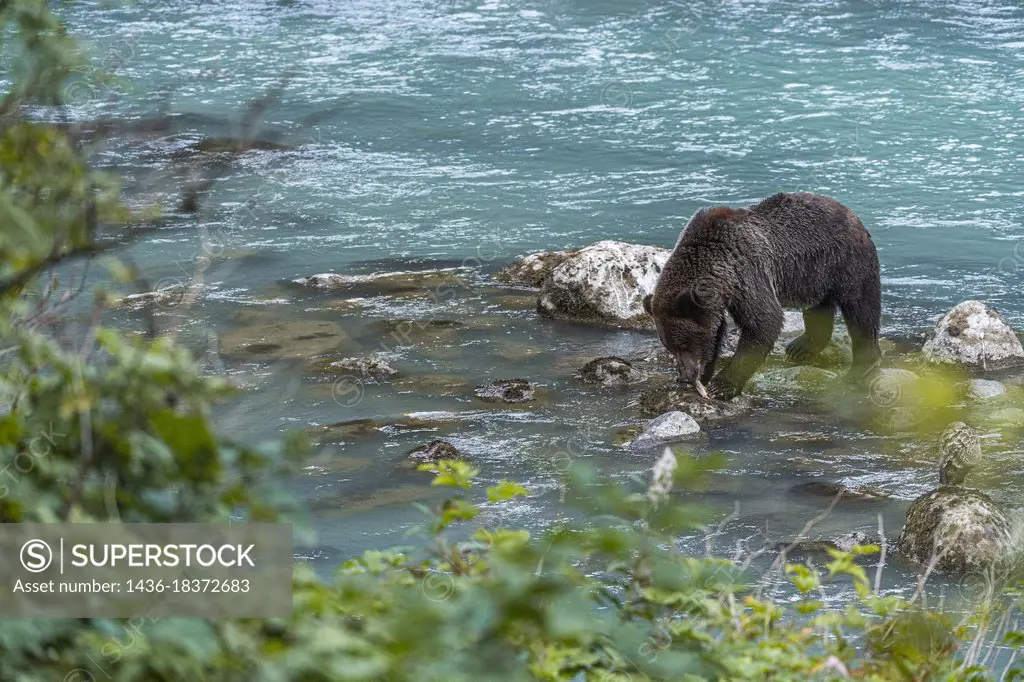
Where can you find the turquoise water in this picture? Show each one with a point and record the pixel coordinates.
(437, 133)
(436, 126)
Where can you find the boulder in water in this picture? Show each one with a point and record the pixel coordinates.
(433, 452)
(603, 283)
(670, 427)
(371, 368)
(610, 371)
(957, 529)
(975, 337)
(507, 391)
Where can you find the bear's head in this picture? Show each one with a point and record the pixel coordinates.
(688, 323)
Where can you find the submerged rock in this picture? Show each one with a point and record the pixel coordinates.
(843, 543)
(168, 294)
(515, 351)
(533, 269)
(960, 530)
(360, 428)
(250, 316)
(235, 145)
(433, 452)
(329, 462)
(409, 332)
(670, 427)
(627, 434)
(904, 377)
(603, 283)
(432, 384)
(439, 284)
(486, 323)
(1005, 416)
(975, 337)
(665, 395)
(372, 368)
(898, 420)
(794, 381)
(362, 501)
(830, 490)
(847, 541)
(346, 430)
(345, 306)
(985, 389)
(507, 391)
(517, 302)
(327, 280)
(820, 441)
(283, 340)
(610, 371)
(892, 385)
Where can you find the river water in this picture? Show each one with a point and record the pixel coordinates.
(444, 133)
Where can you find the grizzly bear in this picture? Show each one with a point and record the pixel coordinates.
(790, 250)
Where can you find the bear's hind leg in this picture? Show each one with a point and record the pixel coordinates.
(818, 323)
(862, 311)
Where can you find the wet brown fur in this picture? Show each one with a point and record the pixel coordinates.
(790, 250)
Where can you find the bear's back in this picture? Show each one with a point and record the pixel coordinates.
(805, 218)
(784, 234)
(718, 224)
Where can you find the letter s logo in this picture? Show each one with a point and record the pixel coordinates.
(36, 556)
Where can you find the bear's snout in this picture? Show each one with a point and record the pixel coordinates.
(689, 369)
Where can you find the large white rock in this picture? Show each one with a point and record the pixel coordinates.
(604, 283)
(667, 428)
(974, 336)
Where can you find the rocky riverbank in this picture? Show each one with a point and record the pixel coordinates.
(519, 351)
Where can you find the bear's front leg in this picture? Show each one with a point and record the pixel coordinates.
(709, 365)
(758, 331)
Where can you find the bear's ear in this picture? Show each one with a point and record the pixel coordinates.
(691, 304)
(647, 304)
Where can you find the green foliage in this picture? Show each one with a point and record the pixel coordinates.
(117, 428)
